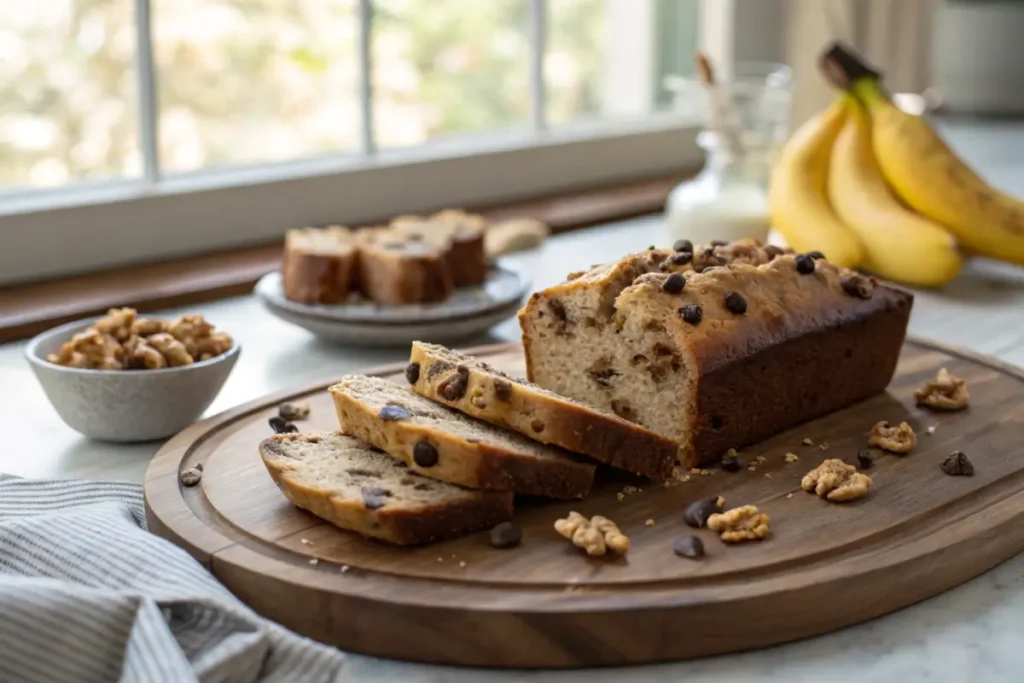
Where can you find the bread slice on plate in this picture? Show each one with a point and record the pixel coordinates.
(356, 487)
(395, 268)
(461, 234)
(319, 265)
(479, 390)
(444, 444)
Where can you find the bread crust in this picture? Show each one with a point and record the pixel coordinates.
(460, 235)
(311, 275)
(415, 273)
(468, 512)
(514, 404)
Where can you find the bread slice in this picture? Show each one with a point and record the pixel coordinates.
(356, 487)
(544, 416)
(719, 357)
(444, 444)
(460, 234)
(319, 265)
(395, 268)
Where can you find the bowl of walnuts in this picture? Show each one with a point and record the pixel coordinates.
(128, 378)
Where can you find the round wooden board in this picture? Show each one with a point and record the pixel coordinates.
(545, 604)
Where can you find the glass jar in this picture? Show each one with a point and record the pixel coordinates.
(728, 199)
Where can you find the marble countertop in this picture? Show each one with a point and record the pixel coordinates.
(969, 633)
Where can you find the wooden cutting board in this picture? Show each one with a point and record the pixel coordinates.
(545, 604)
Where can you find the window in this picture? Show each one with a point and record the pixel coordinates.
(144, 129)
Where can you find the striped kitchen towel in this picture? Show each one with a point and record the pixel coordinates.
(88, 595)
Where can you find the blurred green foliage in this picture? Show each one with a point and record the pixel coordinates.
(250, 81)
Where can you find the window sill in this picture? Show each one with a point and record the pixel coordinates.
(28, 309)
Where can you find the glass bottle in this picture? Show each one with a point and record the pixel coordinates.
(728, 199)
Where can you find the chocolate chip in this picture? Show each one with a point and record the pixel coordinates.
(454, 387)
(412, 373)
(692, 313)
(718, 243)
(804, 264)
(674, 283)
(708, 252)
(958, 465)
(866, 460)
(506, 535)
(424, 454)
(696, 514)
(293, 411)
(689, 546)
(682, 258)
(191, 476)
(735, 302)
(683, 245)
(393, 412)
(816, 255)
(731, 461)
(537, 426)
(858, 286)
(771, 251)
(502, 390)
(372, 501)
(282, 426)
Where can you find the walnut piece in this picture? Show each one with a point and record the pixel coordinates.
(596, 536)
(140, 354)
(171, 349)
(121, 340)
(836, 481)
(198, 336)
(901, 439)
(945, 392)
(90, 349)
(745, 523)
(117, 323)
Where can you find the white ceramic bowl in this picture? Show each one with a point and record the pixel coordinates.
(126, 405)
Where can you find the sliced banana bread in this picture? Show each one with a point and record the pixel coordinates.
(461, 234)
(719, 358)
(396, 268)
(479, 390)
(319, 265)
(445, 444)
(356, 487)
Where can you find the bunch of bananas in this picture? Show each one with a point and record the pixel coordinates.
(875, 187)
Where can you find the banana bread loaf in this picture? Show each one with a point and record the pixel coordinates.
(319, 265)
(716, 347)
(479, 390)
(444, 444)
(357, 487)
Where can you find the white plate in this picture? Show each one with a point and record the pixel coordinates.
(502, 288)
(371, 325)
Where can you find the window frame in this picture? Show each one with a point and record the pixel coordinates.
(91, 226)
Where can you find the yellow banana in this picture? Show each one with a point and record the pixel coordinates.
(934, 181)
(899, 244)
(797, 197)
